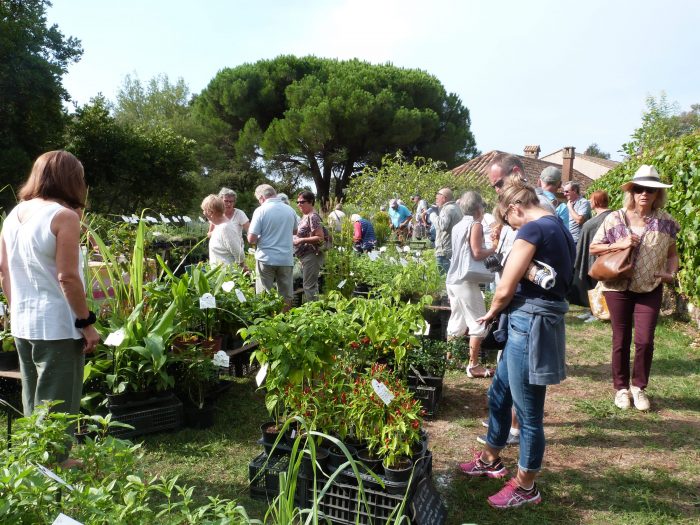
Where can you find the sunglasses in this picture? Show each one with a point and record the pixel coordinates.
(642, 189)
(302, 202)
(499, 184)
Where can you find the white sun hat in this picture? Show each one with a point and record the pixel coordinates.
(646, 176)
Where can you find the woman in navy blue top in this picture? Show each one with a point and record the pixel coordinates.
(534, 354)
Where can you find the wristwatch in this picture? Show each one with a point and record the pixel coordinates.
(90, 319)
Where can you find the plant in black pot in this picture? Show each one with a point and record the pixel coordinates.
(197, 381)
(9, 359)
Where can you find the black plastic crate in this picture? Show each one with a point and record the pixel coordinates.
(429, 397)
(264, 476)
(156, 416)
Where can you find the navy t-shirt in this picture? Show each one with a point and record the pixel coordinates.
(554, 246)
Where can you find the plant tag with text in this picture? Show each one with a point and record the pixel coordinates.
(221, 359)
(51, 474)
(115, 338)
(382, 391)
(342, 283)
(260, 376)
(62, 519)
(207, 301)
(228, 286)
(240, 295)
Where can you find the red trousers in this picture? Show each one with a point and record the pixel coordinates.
(642, 310)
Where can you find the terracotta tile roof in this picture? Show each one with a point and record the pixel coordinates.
(533, 168)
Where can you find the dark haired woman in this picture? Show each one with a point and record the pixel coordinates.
(307, 244)
(40, 274)
(534, 354)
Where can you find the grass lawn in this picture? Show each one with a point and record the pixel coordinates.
(602, 465)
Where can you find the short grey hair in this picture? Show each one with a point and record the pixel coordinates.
(471, 202)
(573, 186)
(266, 191)
(283, 197)
(224, 192)
(447, 193)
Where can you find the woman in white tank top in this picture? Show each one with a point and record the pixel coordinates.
(40, 275)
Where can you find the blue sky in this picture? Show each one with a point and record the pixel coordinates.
(553, 73)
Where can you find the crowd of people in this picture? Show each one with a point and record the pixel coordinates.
(536, 249)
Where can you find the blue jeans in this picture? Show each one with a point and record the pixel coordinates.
(443, 263)
(511, 387)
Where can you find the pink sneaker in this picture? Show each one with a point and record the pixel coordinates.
(512, 495)
(479, 468)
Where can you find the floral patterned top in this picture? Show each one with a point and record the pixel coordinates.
(307, 225)
(651, 255)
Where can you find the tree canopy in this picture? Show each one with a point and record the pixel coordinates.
(326, 119)
(33, 60)
(131, 167)
(594, 151)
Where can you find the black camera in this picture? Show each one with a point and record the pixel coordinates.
(494, 262)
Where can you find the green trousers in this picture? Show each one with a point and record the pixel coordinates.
(51, 371)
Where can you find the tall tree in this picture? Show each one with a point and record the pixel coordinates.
(326, 119)
(594, 151)
(33, 60)
(131, 167)
(662, 122)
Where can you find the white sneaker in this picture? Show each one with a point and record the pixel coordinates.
(641, 401)
(622, 399)
(584, 315)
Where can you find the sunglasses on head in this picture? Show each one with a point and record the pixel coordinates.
(642, 189)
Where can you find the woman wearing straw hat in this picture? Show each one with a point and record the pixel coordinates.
(652, 232)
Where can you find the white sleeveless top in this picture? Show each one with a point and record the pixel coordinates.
(39, 309)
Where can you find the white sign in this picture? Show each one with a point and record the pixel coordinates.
(62, 519)
(342, 283)
(228, 286)
(164, 219)
(51, 474)
(260, 376)
(207, 301)
(115, 338)
(240, 295)
(221, 359)
(382, 391)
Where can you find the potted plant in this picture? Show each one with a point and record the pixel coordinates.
(9, 359)
(197, 379)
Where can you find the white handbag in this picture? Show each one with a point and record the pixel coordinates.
(470, 269)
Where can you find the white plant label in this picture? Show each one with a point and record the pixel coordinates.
(175, 219)
(373, 256)
(186, 218)
(342, 283)
(115, 338)
(228, 286)
(2, 308)
(62, 519)
(164, 219)
(406, 249)
(393, 260)
(126, 219)
(51, 474)
(382, 249)
(294, 433)
(221, 359)
(240, 295)
(201, 219)
(260, 376)
(151, 219)
(382, 391)
(403, 262)
(207, 301)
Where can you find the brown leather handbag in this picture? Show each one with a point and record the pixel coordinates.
(613, 266)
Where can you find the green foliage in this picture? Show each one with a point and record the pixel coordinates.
(678, 162)
(35, 56)
(131, 167)
(324, 119)
(108, 489)
(400, 178)
(661, 122)
(594, 151)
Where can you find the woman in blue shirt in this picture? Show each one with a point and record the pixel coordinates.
(534, 354)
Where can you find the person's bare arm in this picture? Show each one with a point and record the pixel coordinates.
(519, 259)
(476, 242)
(66, 227)
(5, 271)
